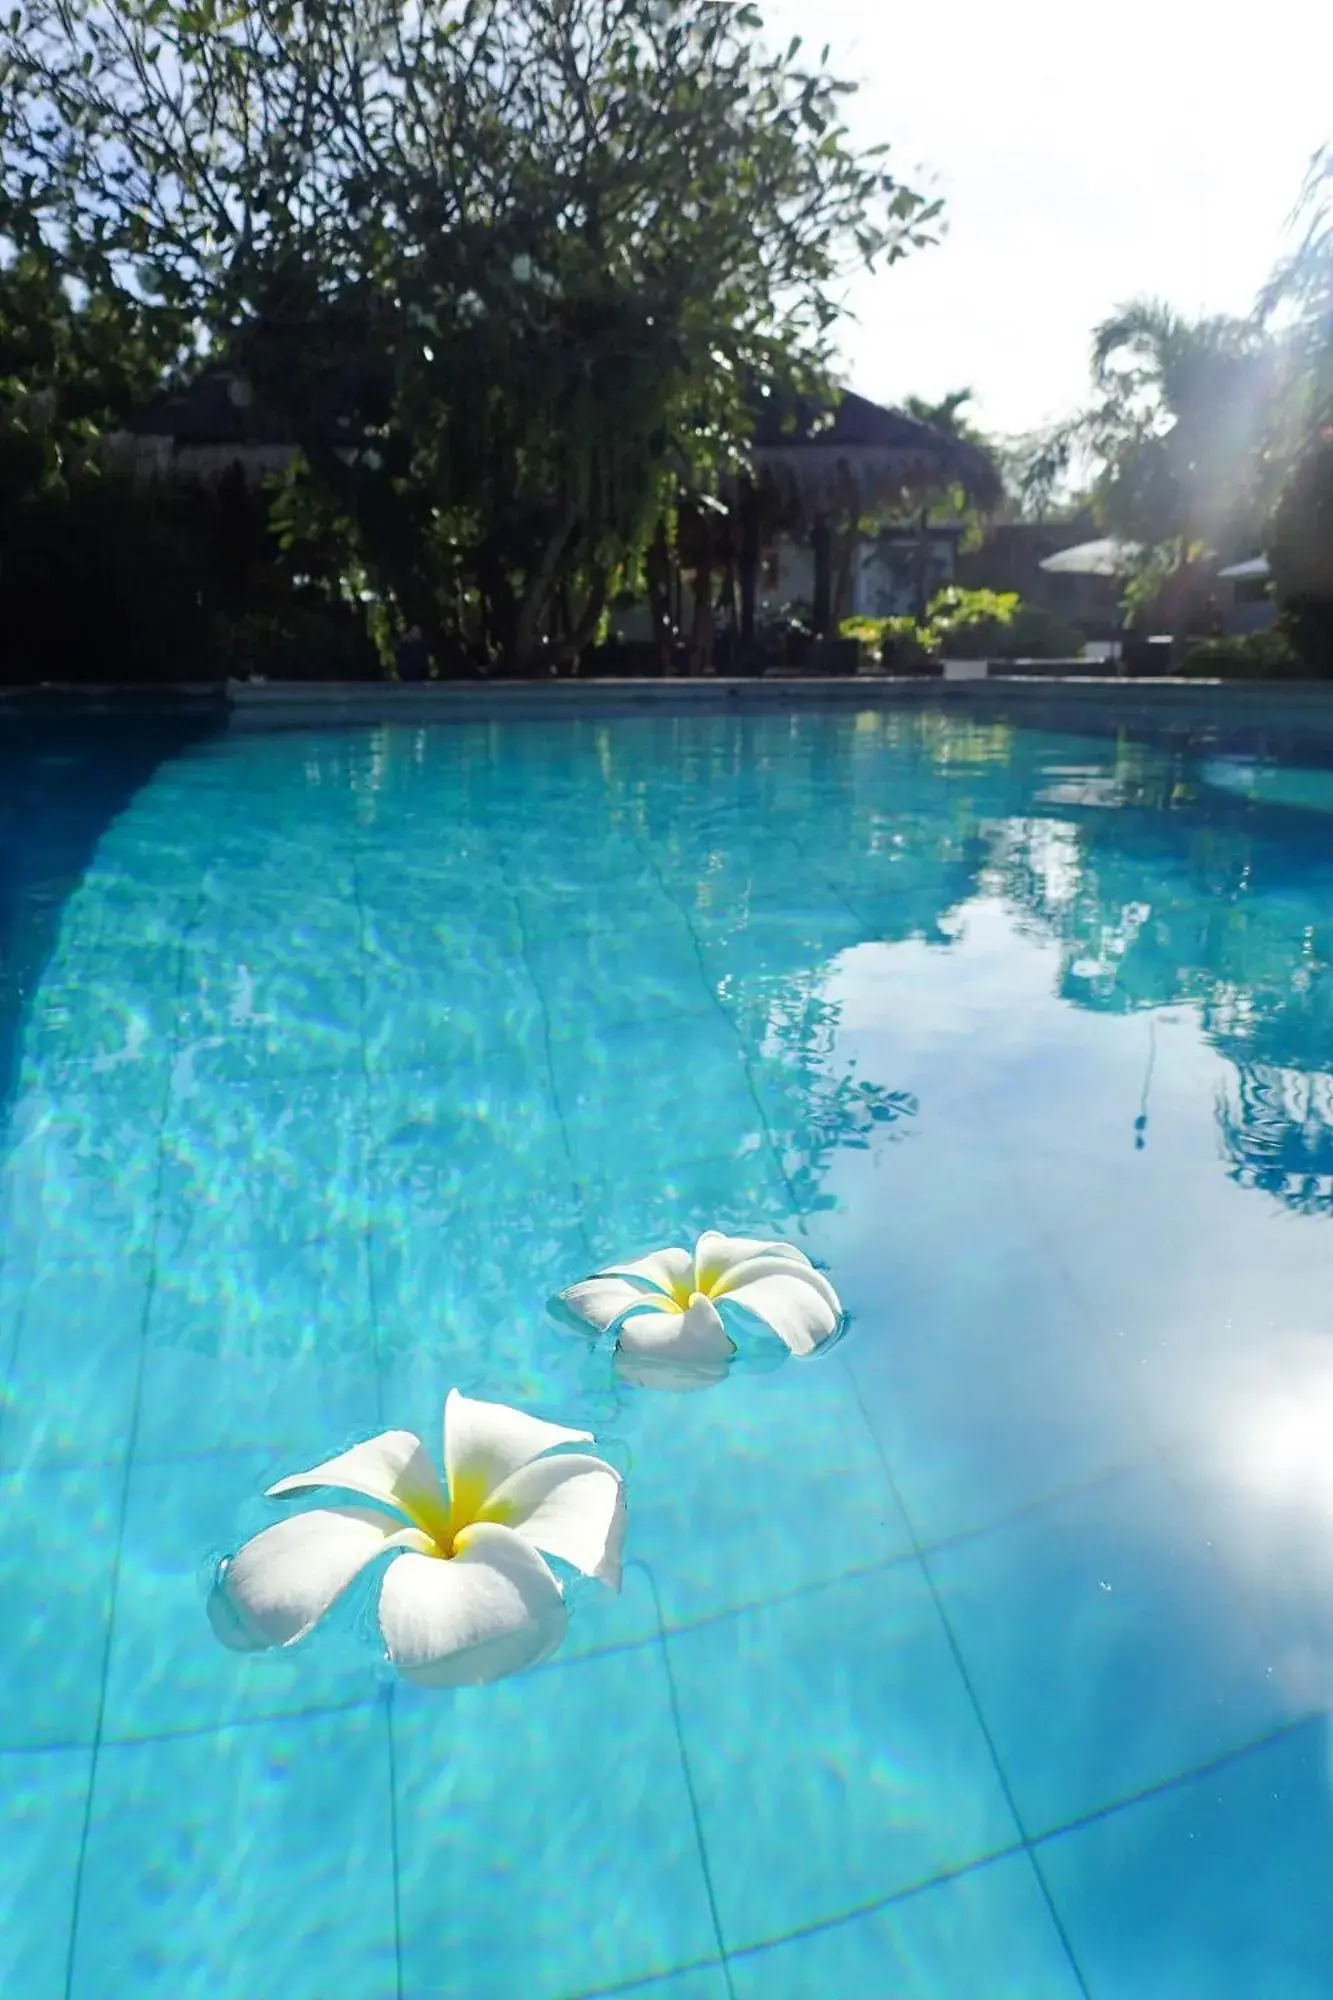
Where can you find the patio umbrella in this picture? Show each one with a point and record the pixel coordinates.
(1103, 558)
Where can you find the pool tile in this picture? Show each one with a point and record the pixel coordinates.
(986, 1387)
(1105, 1614)
(43, 1795)
(442, 991)
(103, 1007)
(57, 1553)
(80, 1160)
(589, 1868)
(461, 1290)
(75, 1357)
(636, 1207)
(774, 952)
(637, 968)
(988, 1932)
(1216, 1887)
(604, 1621)
(709, 1109)
(259, 1342)
(281, 1158)
(760, 1486)
(701, 1982)
(275, 989)
(474, 1132)
(842, 1713)
(167, 1672)
(439, 887)
(248, 1860)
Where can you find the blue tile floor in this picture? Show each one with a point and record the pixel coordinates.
(983, 1657)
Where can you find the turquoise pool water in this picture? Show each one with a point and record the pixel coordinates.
(984, 1656)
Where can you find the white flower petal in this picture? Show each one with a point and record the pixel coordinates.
(715, 1256)
(694, 1335)
(672, 1271)
(492, 1609)
(601, 1301)
(798, 1303)
(485, 1442)
(284, 1579)
(393, 1468)
(571, 1506)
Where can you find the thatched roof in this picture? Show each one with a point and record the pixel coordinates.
(208, 428)
(856, 454)
(218, 408)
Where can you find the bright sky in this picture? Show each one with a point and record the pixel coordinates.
(1087, 154)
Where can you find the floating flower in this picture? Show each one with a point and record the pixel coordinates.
(664, 1307)
(468, 1597)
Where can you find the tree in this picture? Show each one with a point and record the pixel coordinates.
(1174, 432)
(1298, 304)
(502, 266)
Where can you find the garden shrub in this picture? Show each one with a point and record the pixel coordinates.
(1248, 656)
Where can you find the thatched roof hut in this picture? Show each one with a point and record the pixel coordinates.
(211, 427)
(857, 456)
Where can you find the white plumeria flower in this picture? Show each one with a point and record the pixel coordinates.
(468, 1597)
(664, 1306)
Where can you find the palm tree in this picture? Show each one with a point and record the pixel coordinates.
(1299, 302)
(1300, 293)
(973, 507)
(1178, 425)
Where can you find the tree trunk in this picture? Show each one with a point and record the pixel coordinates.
(702, 650)
(521, 656)
(921, 588)
(583, 629)
(659, 597)
(820, 543)
(749, 564)
(848, 543)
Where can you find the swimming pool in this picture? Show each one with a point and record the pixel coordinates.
(983, 1656)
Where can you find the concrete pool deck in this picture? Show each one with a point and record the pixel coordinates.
(1299, 710)
(1303, 711)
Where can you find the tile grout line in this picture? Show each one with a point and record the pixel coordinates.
(1160, 1452)
(372, 1294)
(982, 1861)
(127, 1471)
(688, 1775)
(798, 1208)
(525, 953)
(966, 1678)
(13, 1347)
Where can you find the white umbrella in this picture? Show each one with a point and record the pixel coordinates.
(1104, 558)
(1245, 572)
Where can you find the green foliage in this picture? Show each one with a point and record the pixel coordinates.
(795, 618)
(970, 624)
(906, 647)
(1033, 633)
(1300, 553)
(109, 579)
(1251, 656)
(72, 365)
(868, 632)
(1307, 625)
(504, 270)
(1173, 437)
(973, 506)
(1298, 306)
(898, 642)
